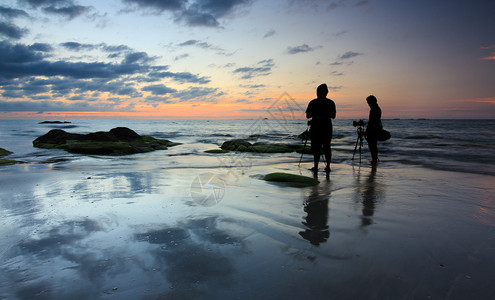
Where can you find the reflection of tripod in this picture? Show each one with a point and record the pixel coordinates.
(359, 141)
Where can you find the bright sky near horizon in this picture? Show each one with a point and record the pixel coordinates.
(242, 58)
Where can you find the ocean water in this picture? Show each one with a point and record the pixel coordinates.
(184, 224)
(454, 145)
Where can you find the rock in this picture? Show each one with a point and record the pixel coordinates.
(216, 151)
(124, 133)
(118, 141)
(3, 161)
(4, 152)
(245, 146)
(234, 145)
(54, 122)
(291, 179)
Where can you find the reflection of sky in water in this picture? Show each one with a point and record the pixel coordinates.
(74, 230)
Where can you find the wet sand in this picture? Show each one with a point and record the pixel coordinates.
(79, 230)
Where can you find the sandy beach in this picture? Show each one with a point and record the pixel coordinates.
(137, 230)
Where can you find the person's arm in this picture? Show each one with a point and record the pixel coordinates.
(334, 111)
(309, 113)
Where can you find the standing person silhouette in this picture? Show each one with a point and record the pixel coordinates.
(373, 128)
(321, 111)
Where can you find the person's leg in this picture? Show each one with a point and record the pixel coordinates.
(316, 160)
(372, 144)
(328, 155)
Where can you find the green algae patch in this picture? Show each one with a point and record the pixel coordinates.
(4, 152)
(117, 141)
(217, 151)
(6, 162)
(291, 179)
(245, 146)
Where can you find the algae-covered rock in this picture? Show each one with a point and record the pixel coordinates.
(272, 148)
(4, 161)
(4, 152)
(217, 151)
(245, 146)
(118, 141)
(303, 149)
(291, 179)
(234, 145)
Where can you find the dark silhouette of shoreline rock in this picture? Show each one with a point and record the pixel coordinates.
(54, 122)
(117, 141)
(4, 161)
(242, 145)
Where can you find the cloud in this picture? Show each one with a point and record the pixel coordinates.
(11, 13)
(12, 31)
(206, 46)
(269, 34)
(64, 8)
(159, 6)
(361, 3)
(262, 68)
(204, 94)
(299, 49)
(181, 77)
(70, 12)
(335, 5)
(349, 55)
(193, 13)
(159, 89)
(182, 56)
(490, 56)
(74, 46)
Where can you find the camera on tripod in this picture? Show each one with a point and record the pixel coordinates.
(358, 123)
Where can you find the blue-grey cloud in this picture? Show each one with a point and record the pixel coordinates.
(262, 68)
(70, 12)
(74, 46)
(299, 49)
(181, 77)
(361, 3)
(269, 34)
(158, 5)
(159, 89)
(195, 12)
(205, 46)
(64, 8)
(199, 94)
(11, 13)
(12, 31)
(349, 55)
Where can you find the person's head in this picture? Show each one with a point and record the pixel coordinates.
(371, 100)
(322, 91)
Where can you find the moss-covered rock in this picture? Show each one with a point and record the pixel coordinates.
(303, 149)
(118, 141)
(291, 179)
(217, 151)
(4, 152)
(4, 161)
(245, 146)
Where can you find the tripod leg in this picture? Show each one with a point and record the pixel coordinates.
(355, 147)
(304, 148)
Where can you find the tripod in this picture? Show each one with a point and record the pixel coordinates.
(305, 136)
(359, 141)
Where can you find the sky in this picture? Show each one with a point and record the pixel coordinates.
(63, 59)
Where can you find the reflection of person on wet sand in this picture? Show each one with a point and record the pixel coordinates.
(316, 207)
(369, 198)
